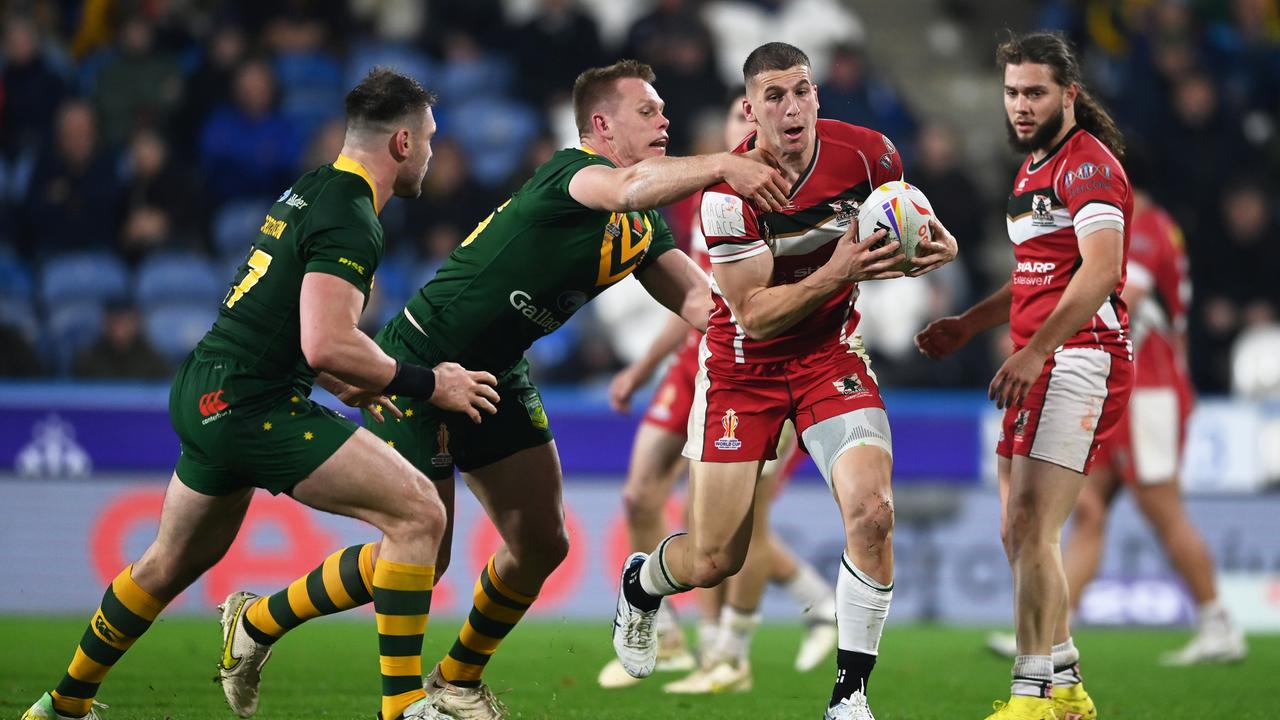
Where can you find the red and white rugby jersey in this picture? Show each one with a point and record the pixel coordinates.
(848, 163)
(1158, 264)
(1078, 188)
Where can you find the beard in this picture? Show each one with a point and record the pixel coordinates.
(1039, 139)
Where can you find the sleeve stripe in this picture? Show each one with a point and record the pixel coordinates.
(1098, 208)
(1089, 227)
(729, 249)
(751, 251)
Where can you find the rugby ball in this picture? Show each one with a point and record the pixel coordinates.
(901, 209)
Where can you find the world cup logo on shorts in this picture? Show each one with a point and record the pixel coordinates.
(442, 458)
(730, 424)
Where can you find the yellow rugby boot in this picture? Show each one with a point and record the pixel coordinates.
(1024, 707)
(1073, 703)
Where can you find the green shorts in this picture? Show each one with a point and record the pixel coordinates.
(264, 441)
(436, 441)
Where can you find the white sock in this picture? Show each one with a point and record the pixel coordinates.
(733, 641)
(1066, 664)
(708, 637)
(862, 604)
(809, 589)
(1033, 675)
(655, 576)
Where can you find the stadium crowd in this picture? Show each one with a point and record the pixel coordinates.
(141, 142)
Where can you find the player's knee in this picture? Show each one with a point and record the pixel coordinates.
(869, 519)
(1024, 529)
(554, 549)
(641, 506)
(418, 513)
(712, 567)
(167, 574)
(1089, 514)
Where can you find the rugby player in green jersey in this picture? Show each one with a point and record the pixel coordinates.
(582, 223)
(240, 406)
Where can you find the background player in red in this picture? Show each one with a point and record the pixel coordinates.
(1065, 387)
(780, 344)
(724, 632)
(1144, 453)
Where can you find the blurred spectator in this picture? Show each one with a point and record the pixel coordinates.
(18, 359)
(556, 44)
(136, 87)
(1199, 138)
(937, 169)
(852, 94)
(648, 38)
(398, 21)
(674, 39)
(73, 201)
(298, 25)
(484, 20)
(121, 351)
(30, 89)
(1234, 278)
(208, 88)
(451, 205)
(162, 202)
(326, 144)
(688, 83)
(247, 149)
(308, 72)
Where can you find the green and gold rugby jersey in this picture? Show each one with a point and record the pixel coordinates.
(529, 266)
(326, 223)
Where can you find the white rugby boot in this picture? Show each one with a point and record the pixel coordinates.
(854, 707)
(43, 710)
(635, 631)
(240, 665)
(463, 703)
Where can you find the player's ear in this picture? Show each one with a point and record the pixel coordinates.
(1069, 95)
(600, 123)
(747, 110)
(400, 144)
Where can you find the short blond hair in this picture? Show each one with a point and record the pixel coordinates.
(597, 86)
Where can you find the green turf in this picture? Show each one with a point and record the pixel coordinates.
(328, 669)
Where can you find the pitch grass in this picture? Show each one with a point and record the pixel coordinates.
(328, 669)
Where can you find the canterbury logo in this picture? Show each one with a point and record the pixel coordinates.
(211, 403)
(104, 630)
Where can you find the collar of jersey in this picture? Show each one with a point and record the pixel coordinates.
(346, 164)
(1033, 165)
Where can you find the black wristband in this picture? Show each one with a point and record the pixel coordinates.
(412, 381)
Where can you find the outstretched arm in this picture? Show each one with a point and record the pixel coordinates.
(659, 181)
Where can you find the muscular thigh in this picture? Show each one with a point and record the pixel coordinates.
(656, 464)
(722, 497)
(364, 479)
(523, 493)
